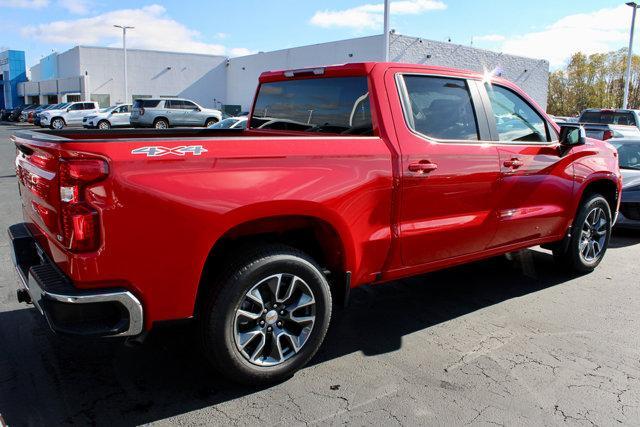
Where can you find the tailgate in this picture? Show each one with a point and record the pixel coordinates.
(37, 173)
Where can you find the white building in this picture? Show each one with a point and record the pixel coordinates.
(95, 73)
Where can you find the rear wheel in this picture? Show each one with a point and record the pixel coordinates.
(57, 123)
(590, 234)
(104, 125)
(267, 316)
(161, 124)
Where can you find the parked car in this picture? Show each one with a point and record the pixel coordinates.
(36, 119)
(71, 114)
(629, 160)
(609, 116)
(231, 123)
(106, 118)
(33, 113)
(24, 114)
(563, 119)
(166, 113)
(255, 234)
(604, 132)
(5, 113)
(15, 115)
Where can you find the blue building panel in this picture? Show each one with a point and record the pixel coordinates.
(13, 70)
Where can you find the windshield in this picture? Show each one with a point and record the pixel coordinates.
(333, 105)
(628, 154)
(224, 124)
(61, 106)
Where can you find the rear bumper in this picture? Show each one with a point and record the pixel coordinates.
(102, 312)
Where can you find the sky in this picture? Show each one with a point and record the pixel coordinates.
(544, 29)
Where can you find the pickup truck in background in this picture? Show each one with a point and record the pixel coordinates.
(346, 175)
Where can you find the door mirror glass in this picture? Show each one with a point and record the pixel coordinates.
(572, 135)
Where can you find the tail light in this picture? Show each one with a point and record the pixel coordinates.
(142, 111)
(80, 221)
(608, 134)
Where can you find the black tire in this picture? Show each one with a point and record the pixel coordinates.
(218, 313)
(570, 255)
(161, 124)
(104, 125)
(210, 121)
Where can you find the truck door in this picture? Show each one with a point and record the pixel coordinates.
(536, 182)
(449, 170)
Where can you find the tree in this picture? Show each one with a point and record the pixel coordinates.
(593, 81)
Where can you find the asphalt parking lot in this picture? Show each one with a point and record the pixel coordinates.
(496, 342)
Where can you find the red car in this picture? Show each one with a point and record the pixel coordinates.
(346, 175)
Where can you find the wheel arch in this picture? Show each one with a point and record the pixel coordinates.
(155, 120)
(328, 243)
(604, 185)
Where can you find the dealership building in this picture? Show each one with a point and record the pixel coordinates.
(96, 73)
(12, 73)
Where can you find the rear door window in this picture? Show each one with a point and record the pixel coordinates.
(440, 108)
(338, 105)
(188, 105)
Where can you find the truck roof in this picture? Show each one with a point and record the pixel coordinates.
(362, 68)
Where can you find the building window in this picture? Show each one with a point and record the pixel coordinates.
(73, 98)
(103, 100)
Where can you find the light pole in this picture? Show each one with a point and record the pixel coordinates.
(386, 30)
(627, 77)
(124, 48)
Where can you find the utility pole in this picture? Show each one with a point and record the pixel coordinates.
(386, 30)
(627, 77)
(124, 48)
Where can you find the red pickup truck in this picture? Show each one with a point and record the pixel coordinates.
(346, 175)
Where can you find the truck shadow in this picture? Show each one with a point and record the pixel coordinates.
(45, 379)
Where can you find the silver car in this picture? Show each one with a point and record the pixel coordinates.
(629, 159)
(165, 113)
(106, 118)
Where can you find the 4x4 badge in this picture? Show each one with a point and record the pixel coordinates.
(182, 150)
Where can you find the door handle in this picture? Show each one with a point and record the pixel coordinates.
(514, 163)
(423, 166)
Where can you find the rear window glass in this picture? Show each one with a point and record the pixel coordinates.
(608, 118)
(333, 105)
(144, 103)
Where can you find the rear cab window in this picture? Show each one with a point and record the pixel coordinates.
(608, 117)
(335, 105)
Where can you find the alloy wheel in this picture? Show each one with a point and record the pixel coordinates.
(593, 235)
(274, 319)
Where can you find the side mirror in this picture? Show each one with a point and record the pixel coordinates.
(68, 109)
(572, 135)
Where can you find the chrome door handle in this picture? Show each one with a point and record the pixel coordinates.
(423, 166)
(514, 163)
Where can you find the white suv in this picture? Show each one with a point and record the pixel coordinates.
(72, 114)
(108, 118)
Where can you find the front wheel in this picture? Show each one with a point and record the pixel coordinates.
(267, 316)
(57, 123)
(104, 125)
(590, 234)
(210, 122)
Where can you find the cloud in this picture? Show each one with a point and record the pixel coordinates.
(77, 7)
(599, 31)
(371, 15)
(154, 29)
(25, 4)
(489, 38)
